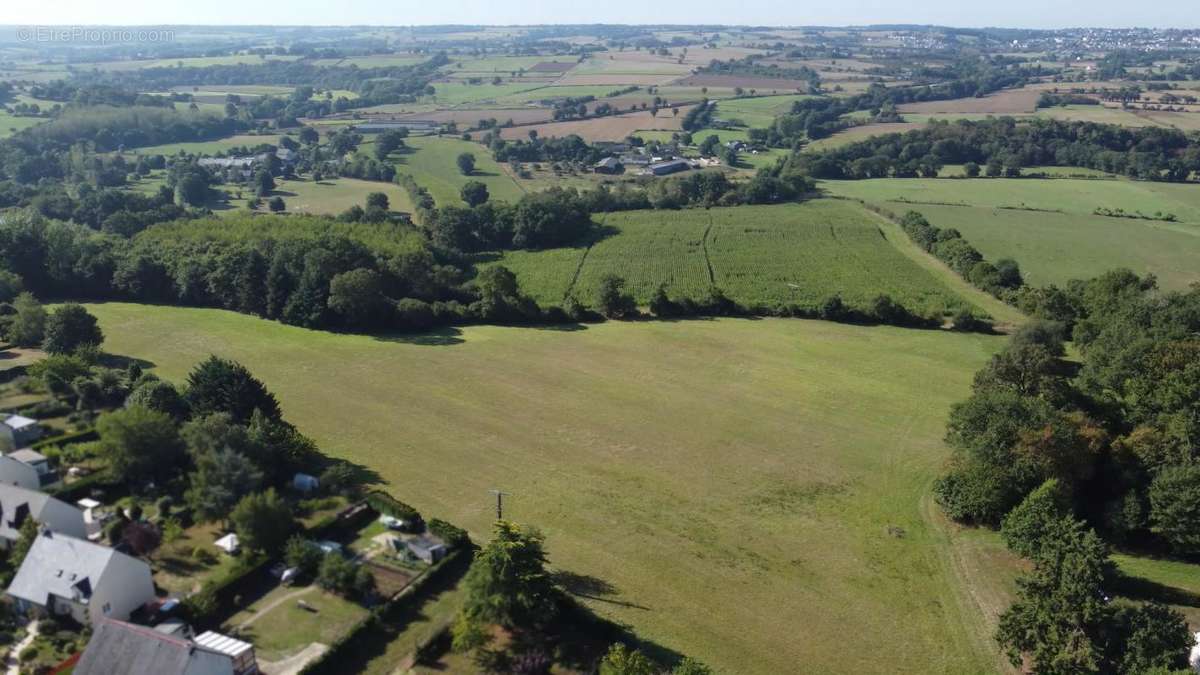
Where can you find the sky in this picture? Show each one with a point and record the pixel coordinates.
(964, 13)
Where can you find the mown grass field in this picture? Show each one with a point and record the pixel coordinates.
(1057, 247)
(433, 163)
(769, 255)
(1064, 240)
(330, 196)
(11, 124)
(748, 492)
(1080, 196)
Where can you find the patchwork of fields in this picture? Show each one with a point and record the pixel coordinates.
(726, 483)
(1062, 239)
(768, 255)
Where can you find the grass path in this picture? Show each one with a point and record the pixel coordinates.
(745, 491)
(1005, 315)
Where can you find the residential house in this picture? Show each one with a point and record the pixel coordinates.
(17, 504)
(18, 432)
(62, 575)
(46, 475)
(119, 647)
(15, 472)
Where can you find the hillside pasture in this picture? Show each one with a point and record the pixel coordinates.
(331, 196)
(432, 162)
(1079, 196)
(720, 482)
(758, 255)
(1057, 247)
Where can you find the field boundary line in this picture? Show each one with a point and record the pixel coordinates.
(582, 260)
(1005, 315)
(712, 278)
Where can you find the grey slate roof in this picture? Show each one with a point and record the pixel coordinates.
(12, 498)
(119, 647)
(18, 422)
(62, 566)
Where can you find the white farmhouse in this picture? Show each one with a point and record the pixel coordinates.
(63, 575)
(18, 504)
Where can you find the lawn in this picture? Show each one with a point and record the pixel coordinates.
(749, 492)
(287, 628)
(433, 163)
(179, 572)
(769, 255)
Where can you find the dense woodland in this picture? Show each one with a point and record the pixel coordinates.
(1069, 459)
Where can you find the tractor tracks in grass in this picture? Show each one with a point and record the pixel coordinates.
(712, 278)
(582, 260)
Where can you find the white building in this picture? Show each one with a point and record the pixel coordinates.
(18, 432)
(63, 575)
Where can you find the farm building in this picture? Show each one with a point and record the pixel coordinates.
(608, 165)
(63, 575)
(669, 167)
(17, 504)
(119, 647)
(18, 432)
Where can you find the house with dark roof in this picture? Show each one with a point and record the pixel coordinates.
(608, 165)
(119, 647)
(62, 576)
(18, 432)
(18, 504)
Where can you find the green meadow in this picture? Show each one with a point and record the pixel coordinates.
(432, 162)
(1049, 226)
(727, 485)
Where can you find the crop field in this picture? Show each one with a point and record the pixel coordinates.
(757, 112)
(768, 255)
(608, 128)
(722, 482)
(1004, 102)
(762, 84)
(432, 163)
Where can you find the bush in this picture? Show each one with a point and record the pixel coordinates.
(1025, 526)
(452, 535)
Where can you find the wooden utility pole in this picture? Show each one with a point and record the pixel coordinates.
(499, 503)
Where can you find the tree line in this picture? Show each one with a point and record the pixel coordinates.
(1071, 459)
(1004, 146)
